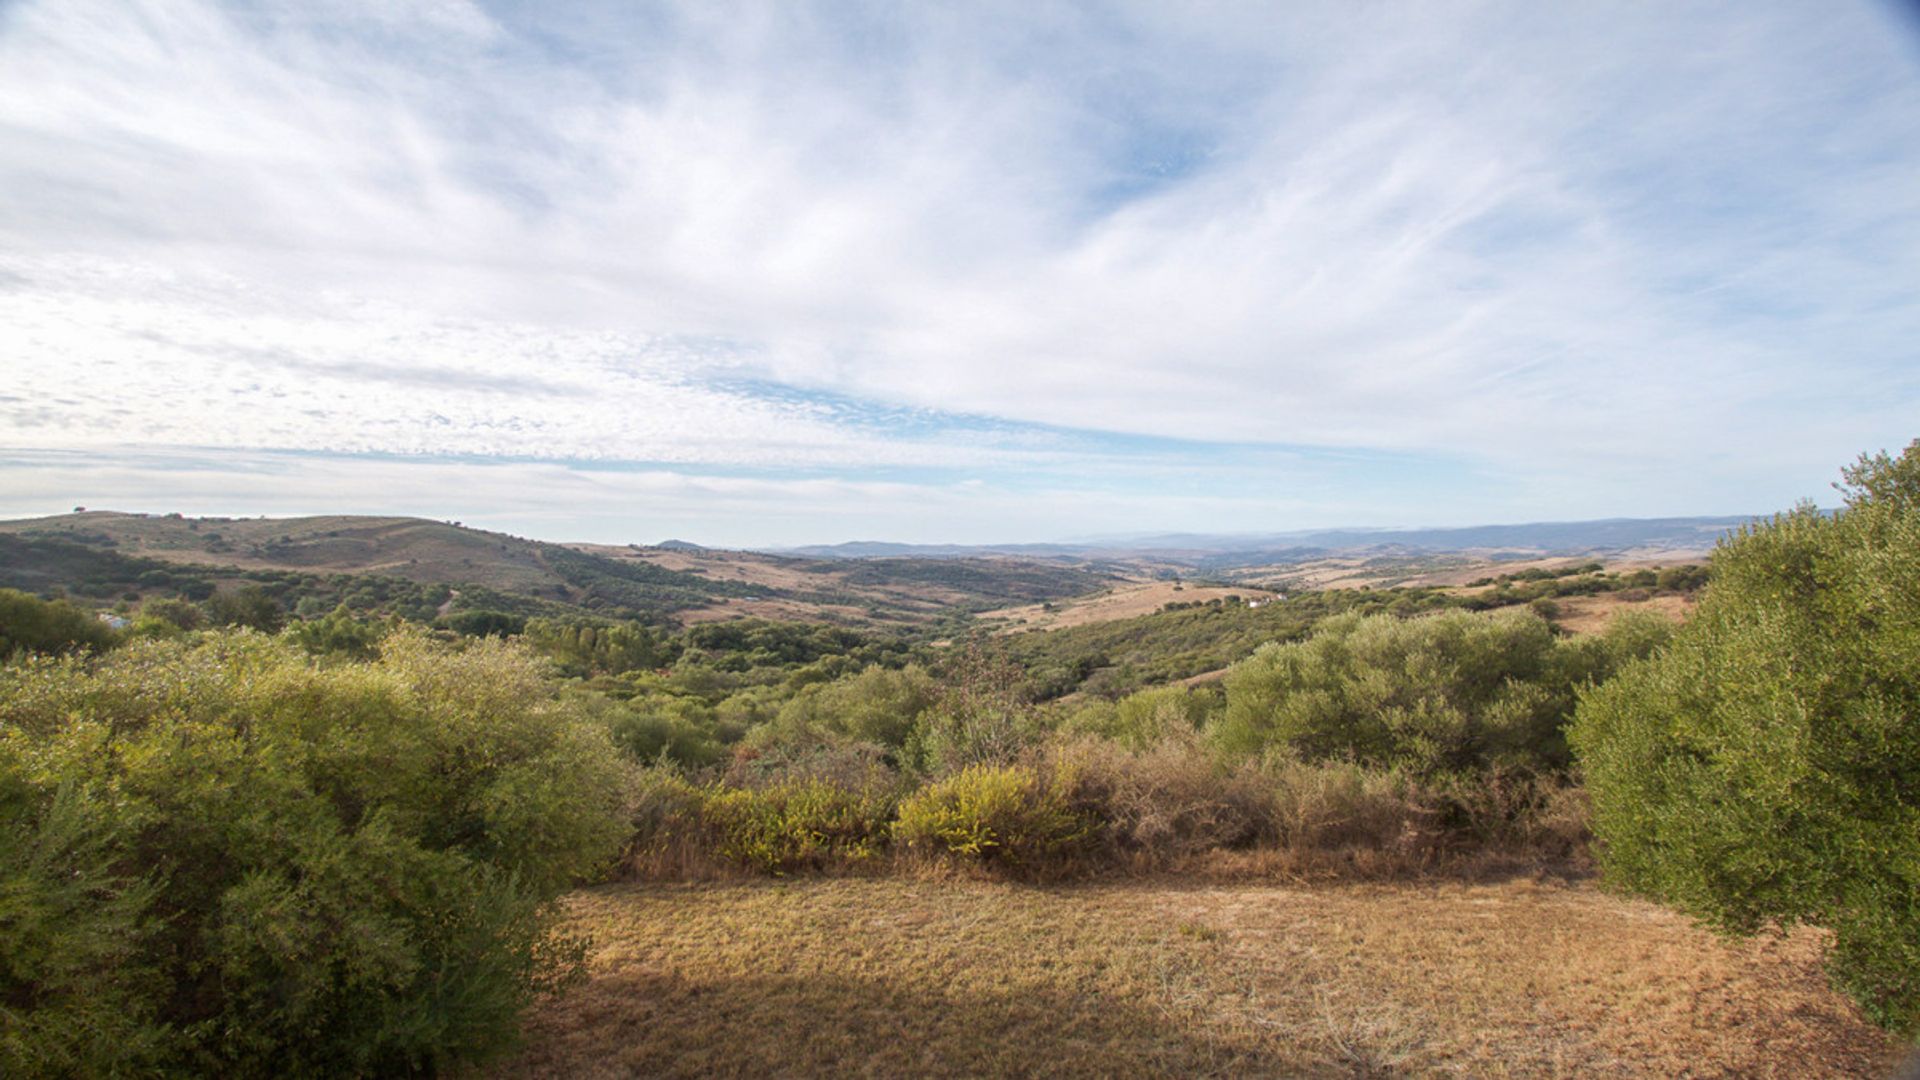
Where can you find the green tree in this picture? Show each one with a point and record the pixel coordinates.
(30, 624)
(338, 634)
(1452, 692)
(249, 606)
(1766, 766)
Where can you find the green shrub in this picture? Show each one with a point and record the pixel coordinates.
(1448, 693)
(879, 705)
(291, 868)
(30, 624)
(250, 606)
(1146, 718)
(1762, 767)
(79, 998)
(1005, 816)
(338, 634)
(806, 824)
(660, 727)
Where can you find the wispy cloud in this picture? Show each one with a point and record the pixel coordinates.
(1465, 259)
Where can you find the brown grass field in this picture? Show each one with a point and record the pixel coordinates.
(1591, 614)
(1121, 602)
(903, 976)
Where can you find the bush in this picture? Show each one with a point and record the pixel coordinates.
(249, 606)
(1146, 718)
(30, 624)
(1341, 806)
(1006, 817)
(338, 634)
(1169, 800)
(1762, 767)
(660, 727)
(273, 866)
(484, 623)
(683, 829)
(1445, 694)
(879, 705)
(806, 824)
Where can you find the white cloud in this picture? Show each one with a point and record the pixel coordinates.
(1552, 241)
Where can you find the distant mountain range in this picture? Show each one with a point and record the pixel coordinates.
(1612, 536)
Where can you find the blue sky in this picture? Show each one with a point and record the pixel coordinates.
(782, 273)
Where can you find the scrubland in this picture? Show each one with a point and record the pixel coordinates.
(1401, 835)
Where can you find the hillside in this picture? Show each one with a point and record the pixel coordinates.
(1217, 552)
(108, 554)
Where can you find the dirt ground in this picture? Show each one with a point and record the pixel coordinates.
(906, 977)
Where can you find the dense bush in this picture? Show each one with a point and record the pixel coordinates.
(250, 606)
(1764, 766)
(1011, 817)
(1448, 693)
(1171, 798)
(30, 624)
(799, 824)
(660, 728)
(879, 705)
(223, 859)
(791, 822)
(338, 634)
(1147, 717)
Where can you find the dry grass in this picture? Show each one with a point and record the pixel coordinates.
(1591, 614)
(1121, 602)
(899, 976)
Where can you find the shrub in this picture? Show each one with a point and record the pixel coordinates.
(1008, 817)
(660, 727)
(1170, 799)
(338, 634)
(79, 1001)
(342, 869)
(30, 624)
(1449, 693)
(806, 824)
(1146, 718)
(683, 829)
(879, 705)
(1761, 768)
(180, 613)
(670, 837)
(1339, 806)
(249, 606)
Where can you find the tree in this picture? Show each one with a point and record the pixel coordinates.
(1765, 768)
(30, 624)
(249, 606)
(1447, 693)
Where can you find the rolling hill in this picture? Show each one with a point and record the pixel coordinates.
(106, 554)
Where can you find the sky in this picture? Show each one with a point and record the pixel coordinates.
(785, 273)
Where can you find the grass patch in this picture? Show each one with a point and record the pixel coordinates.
(896, 976)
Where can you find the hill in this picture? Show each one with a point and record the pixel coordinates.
(1214, 551)
(105, 554)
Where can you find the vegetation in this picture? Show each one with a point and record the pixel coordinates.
(1012, 816)
(320, 819)
(1763, 767)
(1452, 693)
(222, 858)
(30, 624)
